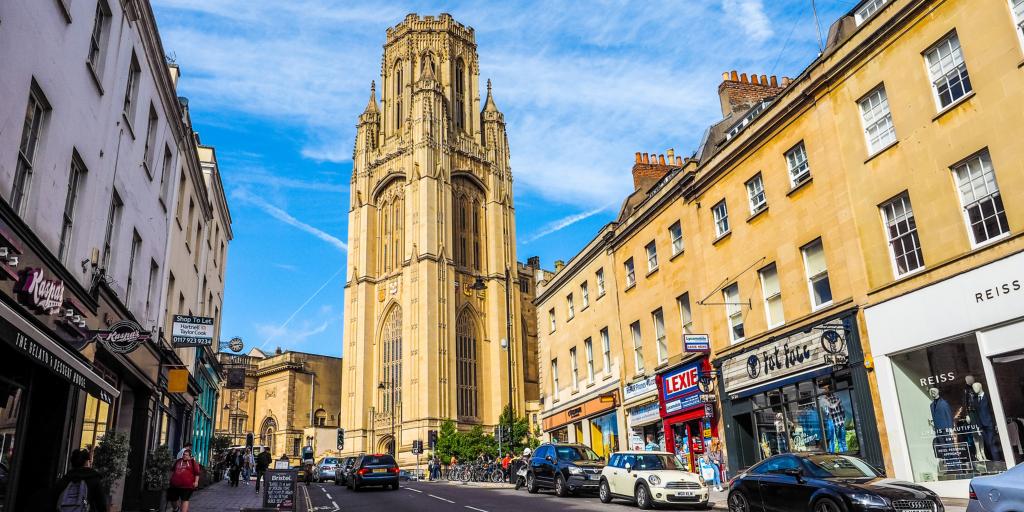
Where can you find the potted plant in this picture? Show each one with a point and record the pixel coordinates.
(110, 458)
(157, 477)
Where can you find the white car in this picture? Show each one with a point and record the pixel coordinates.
(649, 478)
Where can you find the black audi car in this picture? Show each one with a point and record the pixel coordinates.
(824, 483)
(566, 468)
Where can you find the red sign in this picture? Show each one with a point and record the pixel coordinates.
(681, 382)
(696, 443)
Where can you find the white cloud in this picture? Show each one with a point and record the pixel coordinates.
(563, 223)
(750, 15)
(243, 195)
(261, 177)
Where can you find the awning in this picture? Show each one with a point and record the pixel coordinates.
(28, 340)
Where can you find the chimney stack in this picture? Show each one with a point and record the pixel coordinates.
(649, 169)
(738, 93)
(559, 265)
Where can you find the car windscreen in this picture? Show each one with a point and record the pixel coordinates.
(651, 462)
(575, 453)
(840, 466)
(330, 461)
(378, 460)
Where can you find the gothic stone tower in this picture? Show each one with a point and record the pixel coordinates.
(431, 213)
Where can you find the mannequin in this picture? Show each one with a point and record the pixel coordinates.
(835, 420)
(967, 417)
(942, 423)
(987, 422)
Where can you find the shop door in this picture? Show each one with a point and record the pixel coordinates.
(1009, 376)
(744, 440)
(10, 415)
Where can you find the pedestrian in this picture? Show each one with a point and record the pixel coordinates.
(235, 466)
(652, 445)
(715, 454)
(184, 480)
(247, 465)
(80, 489)
(262, 463)
(504, 465)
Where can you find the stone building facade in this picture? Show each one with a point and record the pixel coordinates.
(431, 296)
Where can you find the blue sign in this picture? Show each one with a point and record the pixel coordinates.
(696, 343)
(682, 404)
(681, 381)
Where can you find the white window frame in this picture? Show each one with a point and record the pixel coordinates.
(811, 279)
(756, 196)
(798, 165)
(982, 160)
(638, 347)
(685, 313)
(940, 71)
(76, 174)
(1017, 9)
(901, 222)
(733, 312)
(720, 211)
(574, 366)
(661, 341)
(599, 275)
(554, 378)
(551, 319)
(584, 295)
(606, 350)
(652, 256)
(675, 233)
(588, 347)
(569, 307)
(630, 272)
(868, 10)
(772, 295)
(879, 130)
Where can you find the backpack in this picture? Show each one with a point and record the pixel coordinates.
(74, 498)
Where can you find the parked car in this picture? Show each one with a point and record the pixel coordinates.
(325, 468)
(372, 470)
(566, 468)
(342, 469)
(998, 493)
(824, 483)
(650, 478)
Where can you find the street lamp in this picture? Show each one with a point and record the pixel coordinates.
(381, 387)
(479, 284)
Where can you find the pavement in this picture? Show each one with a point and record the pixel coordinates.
(442, 496)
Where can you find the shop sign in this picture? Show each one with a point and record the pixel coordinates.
(177, 380)
(708, 398)
(235, 378)
(786, 356)
(682, 404)
(46, 295)
(709, 412)
(680, 390)
(639, 388)
(586, 409)
(122, 337)
(55, 362)
(696, 343)
(192, 331)
(643, 413)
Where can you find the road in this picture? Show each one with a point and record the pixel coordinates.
(446, 497)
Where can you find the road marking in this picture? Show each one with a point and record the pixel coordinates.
(309, 502)
(336, 507)
(440, 498)
(328, 496)
(474, 508)
(413, 490)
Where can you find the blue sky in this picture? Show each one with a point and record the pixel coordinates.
(277, 87)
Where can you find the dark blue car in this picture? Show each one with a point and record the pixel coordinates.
(372, 470)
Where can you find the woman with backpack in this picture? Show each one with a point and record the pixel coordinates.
(184, 480)
(80, 489)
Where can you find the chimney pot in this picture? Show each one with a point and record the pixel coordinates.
(764, 79)
(785, 81)
(754, 80)
(725, 76)
(647, 158)
(679, 160)
(637, 157)
(661, 159)
(735, 76)
(743, 77)
(670, 154)
(775, 81)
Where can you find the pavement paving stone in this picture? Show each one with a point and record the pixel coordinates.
(221, 497)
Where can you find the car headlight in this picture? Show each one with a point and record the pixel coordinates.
(573, 470)
(871, 500)
(654, 480)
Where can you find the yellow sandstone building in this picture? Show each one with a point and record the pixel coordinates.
(433, 324)
(849, 242)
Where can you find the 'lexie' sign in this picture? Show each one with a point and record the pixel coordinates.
(43, 294)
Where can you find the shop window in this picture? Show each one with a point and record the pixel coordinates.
(10, 414)
(604, 434)
(95, 421)
(560, 436)
(811, 416)
(578, 430)
(948, 417)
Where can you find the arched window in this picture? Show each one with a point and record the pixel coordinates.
(391, 360)
(468, 226)
(459, 95)
(466, 364)
(267, 433)
(398, 96)
(320, 418)
(390, 226)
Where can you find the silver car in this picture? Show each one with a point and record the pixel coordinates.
(999, 493)
(325, 469)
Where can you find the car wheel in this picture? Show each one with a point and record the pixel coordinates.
(738, 502)
(604, 492)
(643, 497)
(826, 505)
(531, 483)
(561, 489)
(394, 487)
(355, 487)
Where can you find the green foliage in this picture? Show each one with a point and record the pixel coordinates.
(219, 443)
(447, 441)
(521, 437)
(470, 444)
(110, 458)
(158, 468)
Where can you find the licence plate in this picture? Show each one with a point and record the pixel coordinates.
(919, 510)
(684, 493)
(383, 470)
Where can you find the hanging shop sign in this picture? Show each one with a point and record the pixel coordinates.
(177, 380)
(679, 388)
(122, 337)
(790, 355)
(639, 388)
(696, 343)
(192, 331)
(37, 292)
(235, 378)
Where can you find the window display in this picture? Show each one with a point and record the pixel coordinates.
(604, 434)
(10, 415)
(809, 416)
(947, 411)
(561, 435)
(1008, 370)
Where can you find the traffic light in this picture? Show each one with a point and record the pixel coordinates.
(341, 439)
(432, 439)
(417, 446)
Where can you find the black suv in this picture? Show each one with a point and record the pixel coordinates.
(566, 468)
(341, 471)
(369, 470)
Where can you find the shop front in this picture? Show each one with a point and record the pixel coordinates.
(643, 418)
(593, 422)
(950, 364)
(803, 392)
(688, 428)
